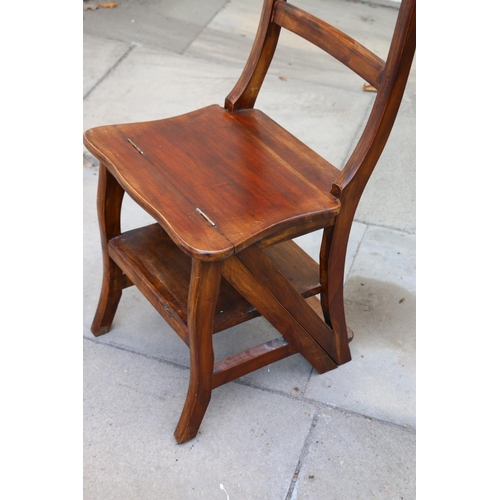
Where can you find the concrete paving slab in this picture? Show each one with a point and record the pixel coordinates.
(388, 256)
(239, 19)
(250, 440)
(99, 56)
(381, 310)
(390, 195)
(165, 24)
(150, 84)
(351, 456)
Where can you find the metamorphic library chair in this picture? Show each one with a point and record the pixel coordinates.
(229, 189)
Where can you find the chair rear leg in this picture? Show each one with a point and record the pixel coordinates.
(109, 202)
(203, 294)
(332, 266)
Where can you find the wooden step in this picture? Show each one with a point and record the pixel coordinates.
(161, 271)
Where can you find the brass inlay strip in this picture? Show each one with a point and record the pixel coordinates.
(205, 216)
(136, 146)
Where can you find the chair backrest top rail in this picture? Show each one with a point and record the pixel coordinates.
(342, 47)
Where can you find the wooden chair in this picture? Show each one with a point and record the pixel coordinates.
(229, 189)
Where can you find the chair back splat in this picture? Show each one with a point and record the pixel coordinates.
(230, 189)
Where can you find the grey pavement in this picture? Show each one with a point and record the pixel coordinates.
(283, 432)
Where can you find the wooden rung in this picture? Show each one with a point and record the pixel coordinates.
(250, 360)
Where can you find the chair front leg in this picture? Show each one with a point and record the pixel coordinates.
(203, 294)
(109, 202)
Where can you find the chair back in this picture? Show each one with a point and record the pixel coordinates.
(388, 77)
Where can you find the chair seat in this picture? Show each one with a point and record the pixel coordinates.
(218, 182)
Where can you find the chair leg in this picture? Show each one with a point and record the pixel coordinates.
(109, 201)
(203, 294)
(332, 266)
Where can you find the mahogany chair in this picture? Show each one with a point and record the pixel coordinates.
(230, 189)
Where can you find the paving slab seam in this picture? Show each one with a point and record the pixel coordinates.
(204, 28)
(356, 251)
(382, 226)
(358, 133)
(304, 388)
(302, 457)
(110, 70)
(120, 347)
(300, 398)
(321, 405)
(387, 4)
(322, 85)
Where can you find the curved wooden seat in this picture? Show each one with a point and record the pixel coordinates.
(217, 181)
